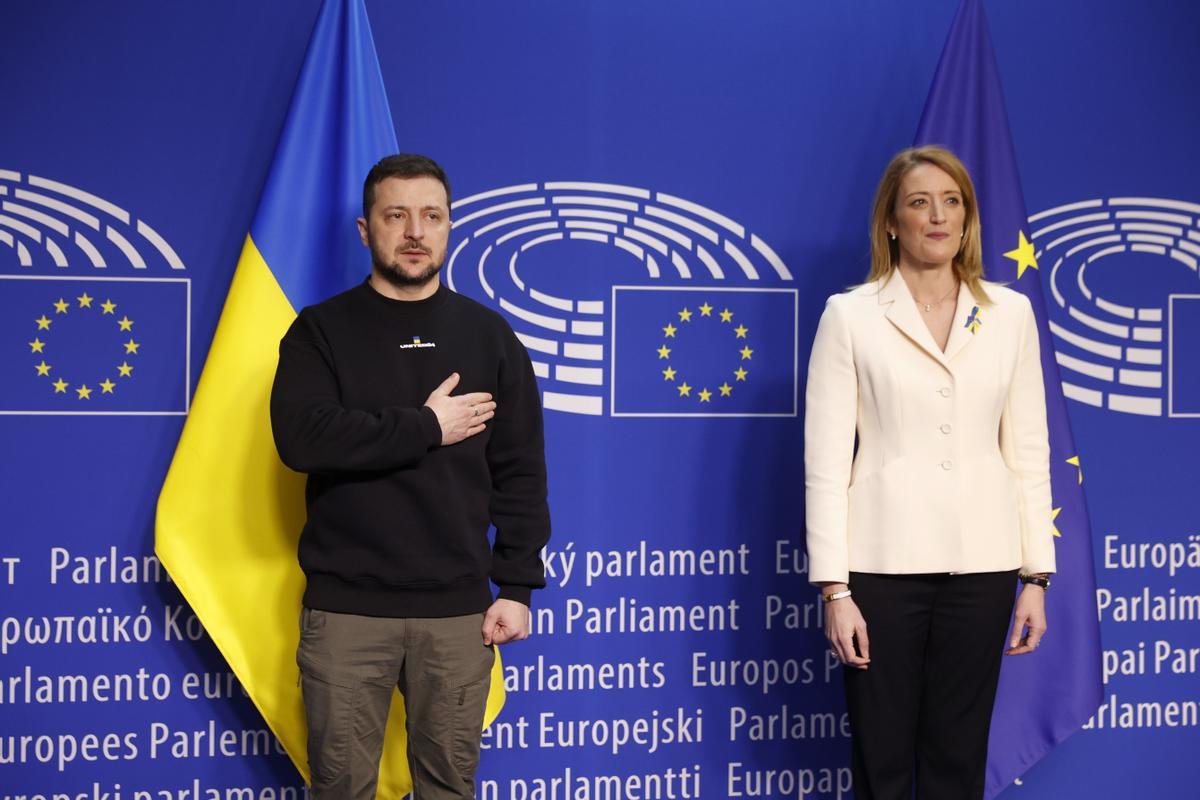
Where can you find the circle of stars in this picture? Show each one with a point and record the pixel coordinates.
(83, 304)
(746, 353)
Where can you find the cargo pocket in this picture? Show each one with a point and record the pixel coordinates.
(467, 704)
(330, 705)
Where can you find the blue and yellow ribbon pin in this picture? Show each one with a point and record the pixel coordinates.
(973, 321)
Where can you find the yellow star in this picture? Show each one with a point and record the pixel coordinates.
(664, 352)
(84, 392)
(107, 386)
(1074, 461)
(36, 345)
(670, 330)
(1023, 255)
(726, 389)
(109, 306)
(746, 353)
(61, 306)
(131, 347)
(741, 331)
(125, 322)
(685, 315)
(60, 386)
(741, 374)
(706, 310)
(42, 368)
(1053, 516)
(124, 369)
(705, 395)
(726, 316)
(85, 300)
(668, 374)
(43, 323)
(684, 390)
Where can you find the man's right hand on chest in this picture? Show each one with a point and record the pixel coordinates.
(462, 416)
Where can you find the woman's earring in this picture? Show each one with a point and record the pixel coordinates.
(893, 236)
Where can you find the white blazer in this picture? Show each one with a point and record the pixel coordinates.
(952, 470)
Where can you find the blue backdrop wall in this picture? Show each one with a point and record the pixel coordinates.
(758, 130)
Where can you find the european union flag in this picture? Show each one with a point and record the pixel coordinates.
(1045, 697)
(93, 345)
(703, 352)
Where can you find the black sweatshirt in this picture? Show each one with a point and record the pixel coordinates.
(397, 524)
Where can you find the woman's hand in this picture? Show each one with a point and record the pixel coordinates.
(1029, 618)
(844, 628)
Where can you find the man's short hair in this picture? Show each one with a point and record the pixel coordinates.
(402, 165)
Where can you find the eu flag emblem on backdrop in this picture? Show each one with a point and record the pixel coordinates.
(230, 513)
(93, 346)
(1046, 696)
(714, 352)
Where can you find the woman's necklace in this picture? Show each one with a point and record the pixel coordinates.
(927, 307)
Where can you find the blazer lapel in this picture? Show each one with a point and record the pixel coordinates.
(960, 333)
(902, 312)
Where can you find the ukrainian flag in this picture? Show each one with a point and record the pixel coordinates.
(230, 513)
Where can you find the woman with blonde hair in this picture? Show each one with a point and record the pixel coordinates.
(927, 486)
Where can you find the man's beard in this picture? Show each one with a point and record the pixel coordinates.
(394, 274)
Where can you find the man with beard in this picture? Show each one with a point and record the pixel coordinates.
(415, 413)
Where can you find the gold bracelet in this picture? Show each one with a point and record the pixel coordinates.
(829, 598)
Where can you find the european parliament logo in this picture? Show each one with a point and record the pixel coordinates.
(1125, 302)
(82, 341)
(633, 302)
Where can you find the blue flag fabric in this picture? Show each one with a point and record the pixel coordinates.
(338, 126)
(1044, 697)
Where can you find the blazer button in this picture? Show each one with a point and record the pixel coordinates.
(945, 428)
(944, 391)
(947, 464)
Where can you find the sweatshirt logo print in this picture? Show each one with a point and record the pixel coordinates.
(417, 343)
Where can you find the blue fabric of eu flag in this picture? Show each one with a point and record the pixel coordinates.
(683, 352)
(88, 346)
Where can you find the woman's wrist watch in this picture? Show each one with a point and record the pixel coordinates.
(1038, 579)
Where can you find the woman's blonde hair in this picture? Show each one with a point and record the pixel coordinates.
(885, 252)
